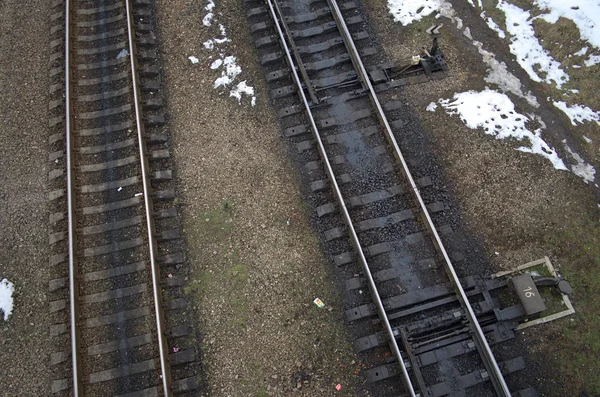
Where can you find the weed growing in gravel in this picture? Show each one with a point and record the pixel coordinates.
(218, 222)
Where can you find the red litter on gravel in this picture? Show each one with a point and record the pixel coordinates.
(338, 387)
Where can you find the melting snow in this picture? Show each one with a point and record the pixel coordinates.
(592, 60)
(207, 20)
(6, 301)
(467, 33)
(525, 46)
(582, 169)
(408, 11)
(581, 52)
(493, 25)
(216, 64)
(584, 13)
(578, 113)
(193, 59)
(209, 44)
(230, 70)
(123, 53)
(495, 113)
(243, 88)
(588, 140)
(499, 75)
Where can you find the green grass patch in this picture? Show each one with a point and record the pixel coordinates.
(198, 285)
(261, 392)
(218, 222)
(578, 248)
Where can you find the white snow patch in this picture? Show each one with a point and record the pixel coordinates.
(209, 44)
(242, 88)
(207, 20)
(123, 53)
(525, 46)
(216, 64)
(6, 301)
(493, 25)
(230, 69)
(221, 41)
(499, 75)
(467, 33)
(588, 140)
(592, 60)
(578, 113)
(584, 13)
(495, 113)
(408, 11)
(459, 22)
(576, 66)
(581, 52)
(582, 169)
(193, 59)
(431, 107)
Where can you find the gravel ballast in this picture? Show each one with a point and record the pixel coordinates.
(24, 343)
(256, 266)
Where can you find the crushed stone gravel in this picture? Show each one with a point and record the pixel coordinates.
(24, 51)
(256, 266)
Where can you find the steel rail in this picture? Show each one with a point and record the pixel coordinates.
(71, 240)
(484, 348)
(154, 268)
(344, 210)
(309, 87)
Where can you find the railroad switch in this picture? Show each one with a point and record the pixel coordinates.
(429, 65)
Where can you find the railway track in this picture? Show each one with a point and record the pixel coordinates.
(114, 229)
(372, 210)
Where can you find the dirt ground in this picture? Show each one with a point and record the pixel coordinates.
(517, 204)
(256, 264)
(24, 50)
